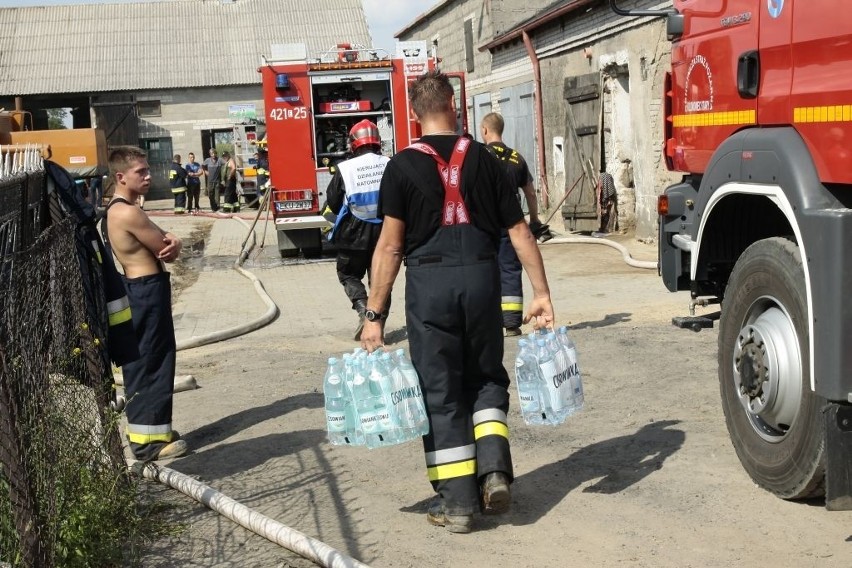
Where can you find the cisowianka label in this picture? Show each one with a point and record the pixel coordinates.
(336, 421)
(370, 422)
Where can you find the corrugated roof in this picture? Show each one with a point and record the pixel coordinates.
(161, 45)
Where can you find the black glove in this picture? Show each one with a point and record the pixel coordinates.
(541, 231)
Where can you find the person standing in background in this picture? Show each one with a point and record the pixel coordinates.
(608, 199)
(511, 287)
(229, 182)
(193, 184)
(142, 247)
(177, 181)
(212, 167)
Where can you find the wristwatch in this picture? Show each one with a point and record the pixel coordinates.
(373, 315)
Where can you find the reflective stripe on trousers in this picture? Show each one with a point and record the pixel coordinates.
(511, 285)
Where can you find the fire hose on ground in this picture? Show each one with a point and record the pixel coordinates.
(291, 539)
(271, 309)
(649, 264)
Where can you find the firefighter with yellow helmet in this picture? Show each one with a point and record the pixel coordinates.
(352, 195)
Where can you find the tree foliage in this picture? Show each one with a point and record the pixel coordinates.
(56, 118)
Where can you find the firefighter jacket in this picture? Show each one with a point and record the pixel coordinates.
(107, 306)
(262, 167)
(177, 178)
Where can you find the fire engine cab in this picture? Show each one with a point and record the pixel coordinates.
(310, 105)
(759, 120)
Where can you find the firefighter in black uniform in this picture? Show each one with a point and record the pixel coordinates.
(262, 168)
(177, 181)
(511, 289)
(443, 202)
(352, 195)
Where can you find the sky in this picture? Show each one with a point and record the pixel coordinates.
(385, 17)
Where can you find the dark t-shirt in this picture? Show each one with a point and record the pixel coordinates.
(193, 168)
(515, 164)
(488, 194)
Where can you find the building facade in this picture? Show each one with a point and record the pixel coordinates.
(172, 76)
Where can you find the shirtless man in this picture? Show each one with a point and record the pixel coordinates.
(142, 247)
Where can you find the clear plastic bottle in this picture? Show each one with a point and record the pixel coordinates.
(347, 372)
(354, 434)
(530, 384)
(365, 405)
(380, 387)
(554, 406)
(562, 381)
(410, 396)
(334, 390)
(574, 366)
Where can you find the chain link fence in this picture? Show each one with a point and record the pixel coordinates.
(65, 496)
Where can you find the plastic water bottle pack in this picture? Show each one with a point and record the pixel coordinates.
(373, 399)
(547, 377)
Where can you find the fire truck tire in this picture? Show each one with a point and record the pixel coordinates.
(773, 417)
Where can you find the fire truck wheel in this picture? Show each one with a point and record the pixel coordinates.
(772, 415)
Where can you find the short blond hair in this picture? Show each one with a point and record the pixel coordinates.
(494, 121)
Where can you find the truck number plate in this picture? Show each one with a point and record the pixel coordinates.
(293, 205)
(295, 113)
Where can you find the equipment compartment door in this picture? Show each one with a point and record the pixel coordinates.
(340, 101)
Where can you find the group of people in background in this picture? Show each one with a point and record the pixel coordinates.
(221, 183)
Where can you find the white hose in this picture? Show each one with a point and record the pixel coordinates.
(651, 264)
(231, 332)
(182, 382)
(291, 539)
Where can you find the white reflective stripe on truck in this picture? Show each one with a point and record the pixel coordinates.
(308, 222)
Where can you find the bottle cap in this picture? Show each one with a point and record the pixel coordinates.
(332, 360)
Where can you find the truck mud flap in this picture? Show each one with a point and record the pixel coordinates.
(838, 457)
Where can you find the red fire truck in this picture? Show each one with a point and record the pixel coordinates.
(759, 119)
(311, 103)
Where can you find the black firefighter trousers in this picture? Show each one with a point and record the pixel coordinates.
(456, 341)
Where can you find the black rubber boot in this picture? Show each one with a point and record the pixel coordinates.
(359, 306)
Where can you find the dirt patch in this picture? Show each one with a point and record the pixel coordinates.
(186, 268)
